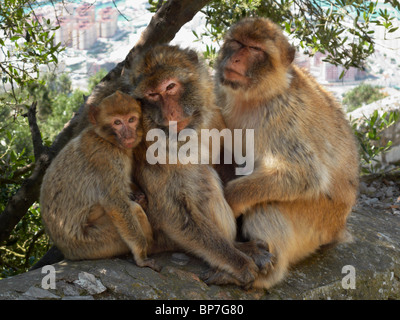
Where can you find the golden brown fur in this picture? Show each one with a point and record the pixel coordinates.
(186, 205)
(306, 165)
(102, 90)
(85, 192)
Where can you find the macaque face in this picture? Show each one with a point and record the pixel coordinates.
(170, 100)
(168, 82)
(167, 97)
(241, 63)
(254, 51)
(118, 120)
(125, 129)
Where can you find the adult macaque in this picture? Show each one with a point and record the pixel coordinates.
(305, 179)
(85, 192)
(186, 205)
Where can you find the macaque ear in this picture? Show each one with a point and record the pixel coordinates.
(131, 61)
(290, 54)
(193, 57)
(93, 113)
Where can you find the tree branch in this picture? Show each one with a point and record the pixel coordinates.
(29, 192)
(32, 244)
(162, 29)
(17, 174)
(165, 23)
(30, 189)
(35, 131)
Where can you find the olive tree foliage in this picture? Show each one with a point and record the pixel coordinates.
(27, 48)
(26, 43)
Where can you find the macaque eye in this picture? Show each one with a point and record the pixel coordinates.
(153, 95)
(117, 122)
(132, 119)
(255, 48)
(171, 86)
(237, 44)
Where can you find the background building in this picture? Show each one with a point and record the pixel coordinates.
(81, 25)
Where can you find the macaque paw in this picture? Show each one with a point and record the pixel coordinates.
(151, 263)
(140, 198)
(218, 277)
(259, 252)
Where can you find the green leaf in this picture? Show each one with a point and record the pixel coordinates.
(374, 117)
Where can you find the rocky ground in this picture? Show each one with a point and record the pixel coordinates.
(381, 193)
(373, 256)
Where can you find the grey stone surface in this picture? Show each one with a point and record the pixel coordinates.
(373, 255)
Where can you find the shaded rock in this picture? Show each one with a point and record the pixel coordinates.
(39, 293)
(180, 258)
(89, 282)
(374, 257)
(78, 298)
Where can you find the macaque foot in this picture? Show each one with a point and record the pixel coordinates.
(244, 277)
(219, 277)
(151, 263)
(259, 252)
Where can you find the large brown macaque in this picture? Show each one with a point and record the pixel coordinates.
(305, 177)
(186, 205)
(85, 194)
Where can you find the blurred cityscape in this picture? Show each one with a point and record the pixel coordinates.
(99, 34)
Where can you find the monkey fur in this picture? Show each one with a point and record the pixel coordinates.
(85, 192)
(186, 205)
(305, 178)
